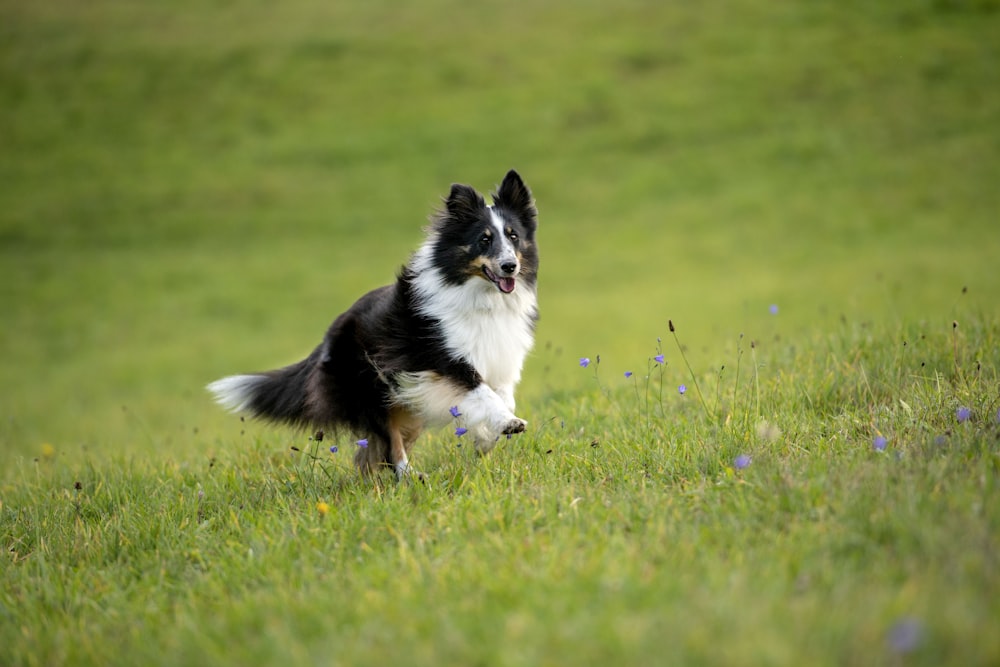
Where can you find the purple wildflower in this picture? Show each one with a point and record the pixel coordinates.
(658, 358)
(773, 309)
(683, 388)
(628, 374)
(333, 449)
(742, 461)
(963, 414)
(905, 635)
(584, 362)
(460, 431)
(454, 411)
(363, 442)
(880, 443)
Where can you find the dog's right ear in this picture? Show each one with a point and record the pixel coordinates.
(463, 201)
(514, 196)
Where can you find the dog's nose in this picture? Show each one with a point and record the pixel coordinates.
(509, 267)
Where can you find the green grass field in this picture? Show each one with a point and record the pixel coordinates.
(197, 189)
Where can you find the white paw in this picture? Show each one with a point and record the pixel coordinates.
(405, 471)
(515, 425)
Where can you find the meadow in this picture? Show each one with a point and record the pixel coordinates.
(764, 404)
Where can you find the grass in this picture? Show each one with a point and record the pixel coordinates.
(608, 533)
(197, 190)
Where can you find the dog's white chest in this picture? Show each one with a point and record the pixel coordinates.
(494, 343)
(491, 331)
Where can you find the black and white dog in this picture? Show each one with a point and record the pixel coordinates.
(446, 341)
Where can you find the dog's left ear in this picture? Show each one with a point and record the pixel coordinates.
(515, 197)
(463, 201)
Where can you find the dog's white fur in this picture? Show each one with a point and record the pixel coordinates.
(490, 330)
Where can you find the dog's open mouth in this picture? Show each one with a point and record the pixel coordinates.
(505, 285)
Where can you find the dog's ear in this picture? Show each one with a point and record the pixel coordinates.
(463, 201)
(515, 197)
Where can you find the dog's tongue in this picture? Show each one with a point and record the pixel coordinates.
(506, 285)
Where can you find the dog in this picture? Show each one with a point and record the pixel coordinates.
(445, 343)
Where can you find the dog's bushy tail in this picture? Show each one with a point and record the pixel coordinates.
(279, 395)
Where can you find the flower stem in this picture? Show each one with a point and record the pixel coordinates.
(694, 378)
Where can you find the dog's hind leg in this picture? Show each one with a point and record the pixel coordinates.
(404, 428)
(373, 455)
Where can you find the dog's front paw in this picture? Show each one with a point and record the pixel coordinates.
(515, 425)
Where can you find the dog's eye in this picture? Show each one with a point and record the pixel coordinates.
(513, 237)
(485, 241)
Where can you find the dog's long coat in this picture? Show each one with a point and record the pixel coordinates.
(448, 337)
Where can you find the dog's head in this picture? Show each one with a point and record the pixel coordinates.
(495, 243)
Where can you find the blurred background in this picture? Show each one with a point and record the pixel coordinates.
(193, 189)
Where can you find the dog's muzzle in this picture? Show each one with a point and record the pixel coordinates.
(504, 282)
